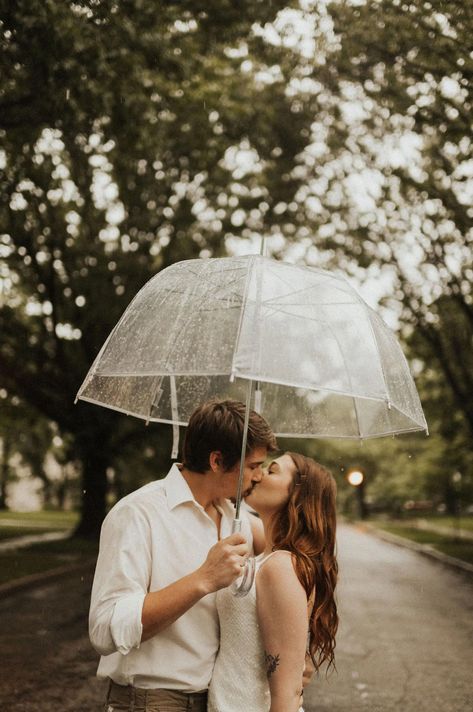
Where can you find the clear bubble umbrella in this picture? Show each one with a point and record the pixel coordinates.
(297, 344)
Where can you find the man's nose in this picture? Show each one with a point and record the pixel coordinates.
(258, 474)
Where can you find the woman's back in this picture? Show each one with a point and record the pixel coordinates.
(239, 682)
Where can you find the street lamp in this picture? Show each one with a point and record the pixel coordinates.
(357, 480)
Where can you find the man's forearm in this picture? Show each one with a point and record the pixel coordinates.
(221, 567)
(162, 608)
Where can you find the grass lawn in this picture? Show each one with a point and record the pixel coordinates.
(13, 524)
(53, 518)
(38, 558)
(447, 522)
(446, 543)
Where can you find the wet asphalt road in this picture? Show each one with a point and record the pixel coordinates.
(405, 641)
(46, 661)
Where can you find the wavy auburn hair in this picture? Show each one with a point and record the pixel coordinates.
(306, 527)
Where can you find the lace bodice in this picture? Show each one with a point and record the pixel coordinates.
(239, 681)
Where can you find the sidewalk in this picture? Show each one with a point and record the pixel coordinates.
(20, 542)
(424, 549)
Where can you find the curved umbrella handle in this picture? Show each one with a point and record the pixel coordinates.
(242, 585)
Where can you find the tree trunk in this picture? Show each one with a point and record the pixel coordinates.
(61, 490)
(362, 506)
(95, 461)
(4, 471)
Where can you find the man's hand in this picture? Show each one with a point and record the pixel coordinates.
(224, 562)
(221, 567)
(309, 670)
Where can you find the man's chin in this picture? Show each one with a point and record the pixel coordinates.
(247, 493)
(249, 496)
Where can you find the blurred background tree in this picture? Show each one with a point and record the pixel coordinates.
(393, 182)
(133, 135)
(388, 196)
(120, 126)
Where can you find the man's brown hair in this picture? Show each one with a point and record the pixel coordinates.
(218, 425)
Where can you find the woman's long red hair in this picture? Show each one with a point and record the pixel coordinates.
(306, 527)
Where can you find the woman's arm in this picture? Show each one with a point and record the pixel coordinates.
(282, 615)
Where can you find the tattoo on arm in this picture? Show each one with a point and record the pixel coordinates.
(272, 662)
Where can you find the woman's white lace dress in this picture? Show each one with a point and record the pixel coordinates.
(239, 682)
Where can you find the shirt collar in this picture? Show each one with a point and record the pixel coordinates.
(179, 492)
(177, 489)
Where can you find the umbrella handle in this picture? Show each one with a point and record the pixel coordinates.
(242, 585)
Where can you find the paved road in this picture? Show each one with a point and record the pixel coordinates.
(405, 642)
(406, 633)
(46, 662)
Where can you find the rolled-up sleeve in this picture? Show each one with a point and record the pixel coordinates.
(121, 581)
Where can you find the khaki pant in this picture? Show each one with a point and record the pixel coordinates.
(135, 699)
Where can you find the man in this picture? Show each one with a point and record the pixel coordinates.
(164, 552)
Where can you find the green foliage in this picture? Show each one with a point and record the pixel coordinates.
(458, 548)
(24, 433)
(388, 196)
(400, 149)
(119, 123)
(396, 470)
(119, 127)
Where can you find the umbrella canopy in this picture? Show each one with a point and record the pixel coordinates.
(324, 363)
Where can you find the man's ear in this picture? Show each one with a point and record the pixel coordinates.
(216, 461)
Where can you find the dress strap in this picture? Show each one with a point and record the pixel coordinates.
(265, 558)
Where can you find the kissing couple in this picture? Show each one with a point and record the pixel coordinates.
(170, 632)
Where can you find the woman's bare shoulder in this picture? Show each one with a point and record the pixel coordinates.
(278, 586)
(278, 564)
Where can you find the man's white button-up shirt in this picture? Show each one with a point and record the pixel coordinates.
(150, 539)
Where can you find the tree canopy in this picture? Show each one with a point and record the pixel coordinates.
(389, 193)
(132, 135)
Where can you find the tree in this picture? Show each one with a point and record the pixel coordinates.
(26, 434)
(388, 175)
(133, 135)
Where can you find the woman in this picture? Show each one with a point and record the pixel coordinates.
(290, 609)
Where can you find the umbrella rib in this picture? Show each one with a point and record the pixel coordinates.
(275, 310)
(240, 323)
(159, 380)
(316, 320)
(269, 302)
(347, 371)
(288, 284)
(210, 295)
(373, 333)
(307, 387)
(178, 332)
(216, 287)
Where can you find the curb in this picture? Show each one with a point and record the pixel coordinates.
(22, 542)
(25, 582)
(424, 549)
